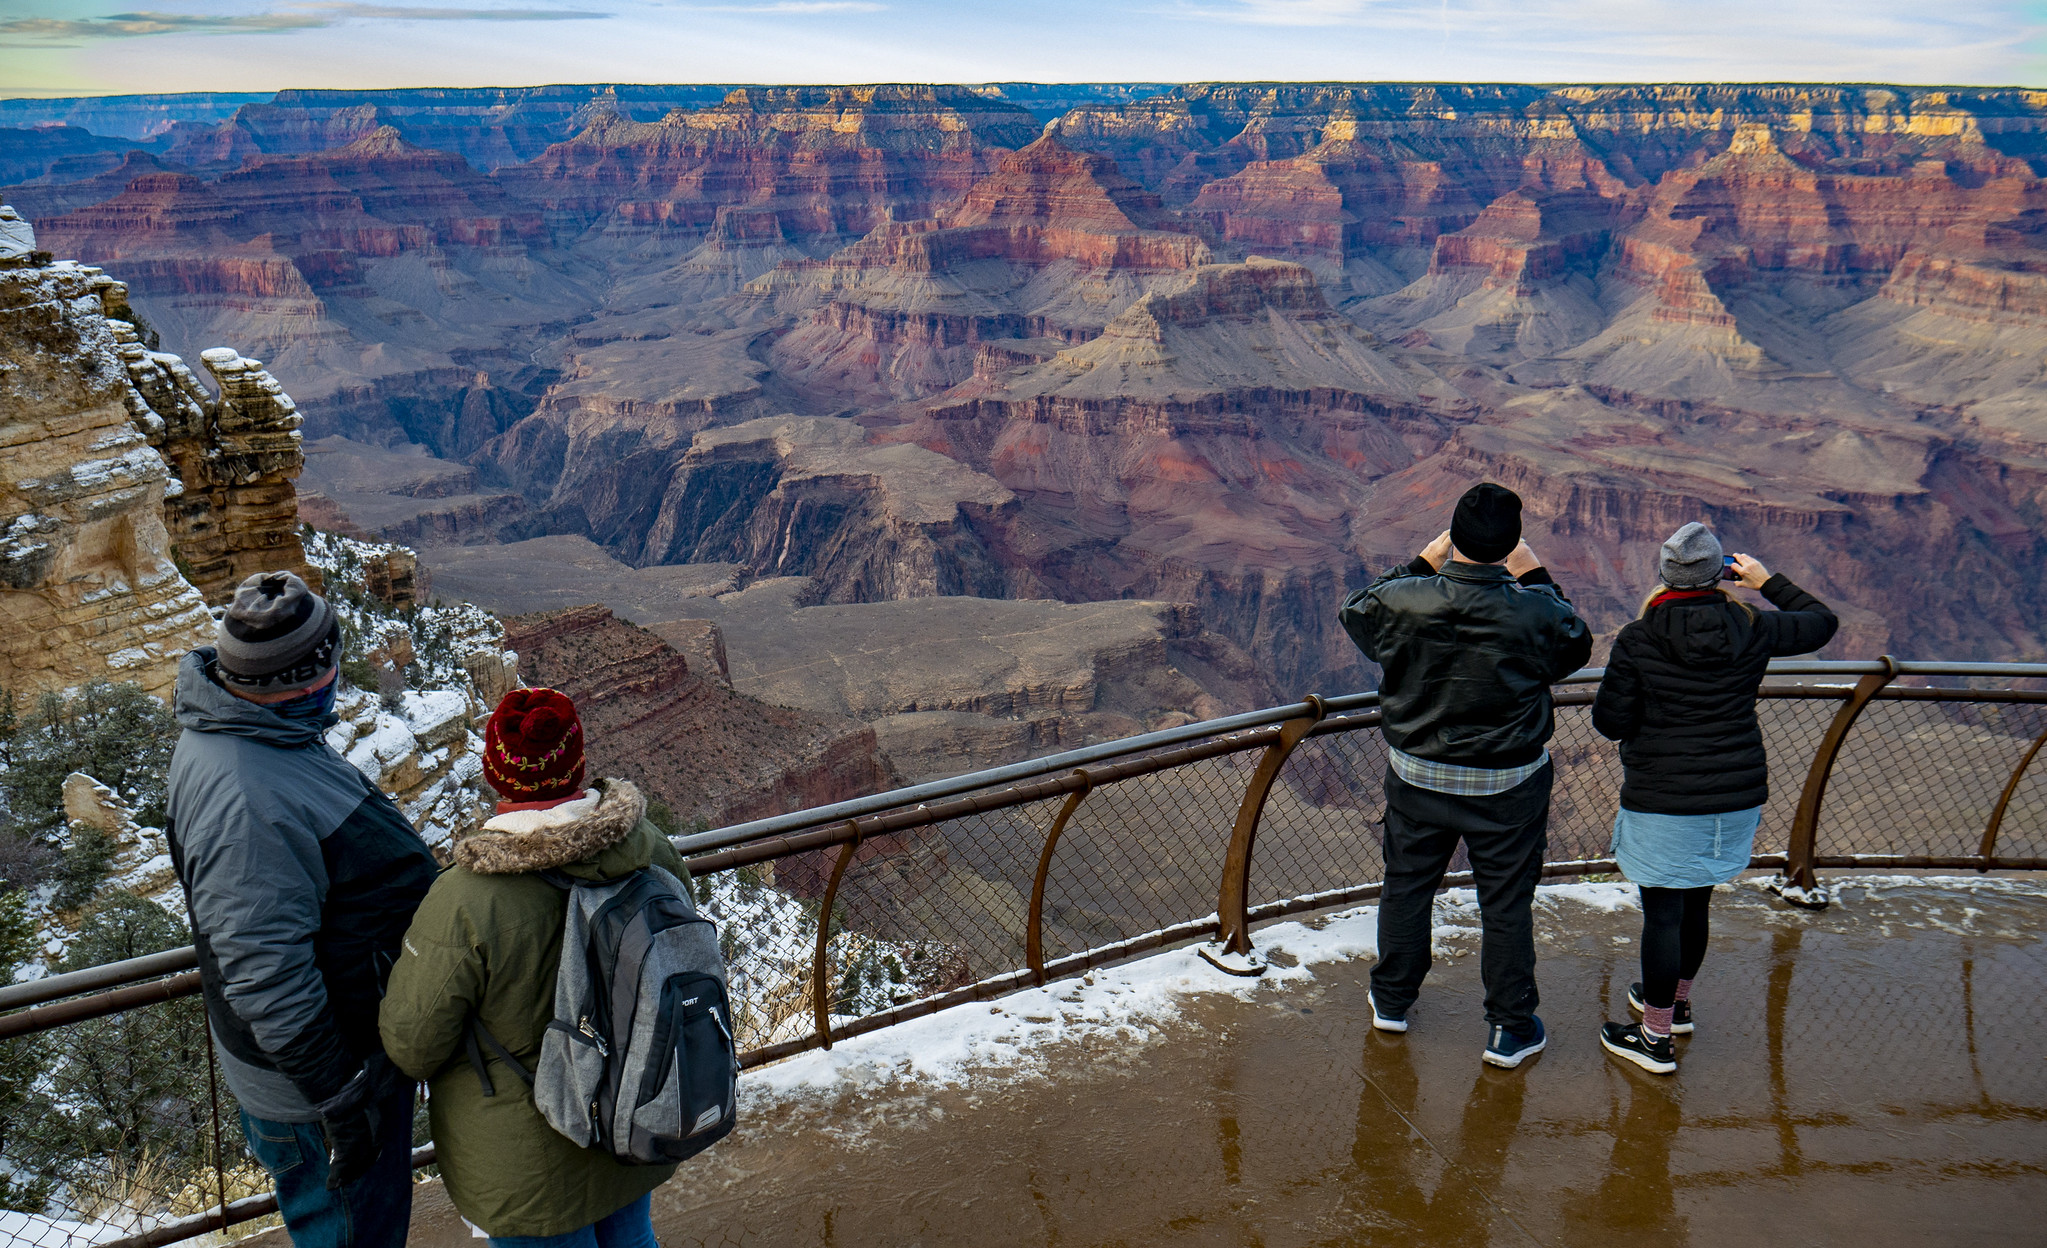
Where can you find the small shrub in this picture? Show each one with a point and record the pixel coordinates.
(23, 862)
(83, 866)
(115, 733)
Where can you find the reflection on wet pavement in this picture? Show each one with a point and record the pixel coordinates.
(1870, 1075)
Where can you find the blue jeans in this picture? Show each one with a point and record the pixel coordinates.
(630, 1227)
(373, 1212)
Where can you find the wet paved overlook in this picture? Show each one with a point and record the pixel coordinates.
(1871, 1075)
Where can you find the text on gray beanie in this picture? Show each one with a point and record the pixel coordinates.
(1690, 558)
(277, 636)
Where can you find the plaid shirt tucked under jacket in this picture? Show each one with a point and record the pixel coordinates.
(1458, 781)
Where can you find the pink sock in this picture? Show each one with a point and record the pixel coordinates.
(1684, 989)
(1656, 1020)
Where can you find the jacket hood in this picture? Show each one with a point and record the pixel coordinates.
(1700, 630)
(202, 705)
(596, 837)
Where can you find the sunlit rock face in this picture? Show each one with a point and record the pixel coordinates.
(88, 589)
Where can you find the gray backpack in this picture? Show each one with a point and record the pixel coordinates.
(639, 1060)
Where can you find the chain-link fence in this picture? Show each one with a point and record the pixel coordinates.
(115, 1129)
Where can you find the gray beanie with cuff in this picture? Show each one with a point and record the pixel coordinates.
(277, 636)
(1690, 559)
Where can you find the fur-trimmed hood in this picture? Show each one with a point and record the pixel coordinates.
(525, 841)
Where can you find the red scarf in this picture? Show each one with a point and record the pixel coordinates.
(1682, 595)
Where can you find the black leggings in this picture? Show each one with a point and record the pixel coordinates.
(1674, 925)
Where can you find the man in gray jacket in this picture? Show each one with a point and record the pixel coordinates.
(301, 877)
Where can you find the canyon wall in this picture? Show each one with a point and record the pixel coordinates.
(711, 755)
(1232, 345)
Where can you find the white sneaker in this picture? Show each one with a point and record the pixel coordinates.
(1381, 1022)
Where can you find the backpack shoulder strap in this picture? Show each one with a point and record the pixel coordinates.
(475, 1031)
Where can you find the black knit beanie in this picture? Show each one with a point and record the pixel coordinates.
(1487, 524)
(277, 636)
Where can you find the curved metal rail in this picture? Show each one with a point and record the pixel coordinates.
(1084, 783)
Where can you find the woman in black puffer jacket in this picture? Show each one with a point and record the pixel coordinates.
(1680, 696)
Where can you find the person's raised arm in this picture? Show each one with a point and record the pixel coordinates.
(1801, 623)
(1572, 644)
(1358, 614)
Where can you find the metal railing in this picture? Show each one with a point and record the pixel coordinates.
(859, 915)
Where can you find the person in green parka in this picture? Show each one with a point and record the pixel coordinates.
(485, 945)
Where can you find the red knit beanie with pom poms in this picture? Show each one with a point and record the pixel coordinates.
(533, 747)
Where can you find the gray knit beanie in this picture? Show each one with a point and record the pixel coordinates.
(277, 636)
(1690, 559)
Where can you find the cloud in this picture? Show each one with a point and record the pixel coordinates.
(792, 6)
(1287, 12)
(46, 31)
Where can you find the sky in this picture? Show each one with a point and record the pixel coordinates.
(96, 47)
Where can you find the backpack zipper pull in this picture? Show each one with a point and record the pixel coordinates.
(603, 1049)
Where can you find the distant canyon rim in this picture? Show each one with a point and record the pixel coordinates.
(790, 360)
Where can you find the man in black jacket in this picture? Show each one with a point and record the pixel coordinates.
(1469, 637)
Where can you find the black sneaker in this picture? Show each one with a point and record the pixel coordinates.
(1680, 1018)
(1628, 1040)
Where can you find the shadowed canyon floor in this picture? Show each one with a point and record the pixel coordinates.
(1864, 1076)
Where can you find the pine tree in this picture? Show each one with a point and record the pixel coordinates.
(24, 1185)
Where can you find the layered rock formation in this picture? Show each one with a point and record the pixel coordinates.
(1052, 244)
(947, 682)
(131, 485)
(88, 589)
(712, 755)
(332, 266)
(955, 683)
(420, 680)
(826, 161)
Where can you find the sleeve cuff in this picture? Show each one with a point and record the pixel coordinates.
(1421, 567)
(1536, 576)
(353, 1096)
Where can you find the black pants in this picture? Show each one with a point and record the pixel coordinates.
(1505, 835)
(1674, 928)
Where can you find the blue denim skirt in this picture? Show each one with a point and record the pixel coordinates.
(1684, 851)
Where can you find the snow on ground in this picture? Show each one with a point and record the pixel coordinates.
(33, 1230)
(1128, 1003)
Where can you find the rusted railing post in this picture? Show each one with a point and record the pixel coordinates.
(1799, 884)
(1231, 951)
(1034, 934)
(1989, 847)
(820, 986)
(213, 1095)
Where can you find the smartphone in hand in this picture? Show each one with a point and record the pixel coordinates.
(1727, 572)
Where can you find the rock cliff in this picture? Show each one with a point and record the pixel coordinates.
(88, 588)
(712, 755)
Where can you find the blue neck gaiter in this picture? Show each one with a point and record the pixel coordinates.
(316, 705)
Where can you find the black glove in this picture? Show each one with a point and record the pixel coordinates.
(351, 1122)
